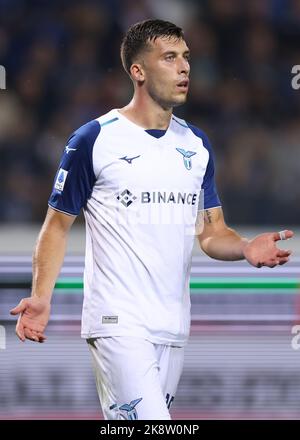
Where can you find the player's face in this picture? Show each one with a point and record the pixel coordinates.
(167, 70)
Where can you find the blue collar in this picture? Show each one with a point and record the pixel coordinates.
(155, 132)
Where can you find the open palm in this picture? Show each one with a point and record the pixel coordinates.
(262, 250)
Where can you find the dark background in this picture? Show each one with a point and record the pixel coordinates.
(63, 68)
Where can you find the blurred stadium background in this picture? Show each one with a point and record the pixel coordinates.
(63, 69)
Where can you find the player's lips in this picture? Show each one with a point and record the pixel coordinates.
(183, 85)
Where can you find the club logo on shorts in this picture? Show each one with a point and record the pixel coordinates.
(186, 157)
(61, 179)
(128, 408)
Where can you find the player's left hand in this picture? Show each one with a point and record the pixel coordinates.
(262, 250)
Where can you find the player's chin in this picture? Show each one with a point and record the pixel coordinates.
(179, 99)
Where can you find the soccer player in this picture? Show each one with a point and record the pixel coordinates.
(141, 175)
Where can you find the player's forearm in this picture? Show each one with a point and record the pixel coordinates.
(225, 245)
(47, 260)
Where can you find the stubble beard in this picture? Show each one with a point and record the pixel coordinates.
(165, 102)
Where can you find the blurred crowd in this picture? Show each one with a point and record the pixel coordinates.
(63, 68)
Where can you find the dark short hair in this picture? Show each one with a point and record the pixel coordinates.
(140, 34)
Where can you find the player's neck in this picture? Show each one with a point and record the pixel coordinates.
(148, 115)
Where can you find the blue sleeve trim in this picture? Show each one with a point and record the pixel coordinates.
(211, 198)
(180, 122)
(75, 178)
(59, 210)
(109, 122)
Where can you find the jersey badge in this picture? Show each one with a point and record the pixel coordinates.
(186, 157)
(61, 179)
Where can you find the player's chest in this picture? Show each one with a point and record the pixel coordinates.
(149, 164)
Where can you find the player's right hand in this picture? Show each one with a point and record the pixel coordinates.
(33, 319)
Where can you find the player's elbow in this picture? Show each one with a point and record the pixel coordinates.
(203, 241)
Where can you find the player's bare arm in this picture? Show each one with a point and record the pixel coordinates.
(47, 261)
(219, 241)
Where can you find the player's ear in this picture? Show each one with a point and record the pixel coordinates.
(137, 72)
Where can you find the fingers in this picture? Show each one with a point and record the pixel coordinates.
(280, 259)
(34, 332)
(283, 261)
(19, 308)
(20, 330)
(41, 337)
(34, 335)
(282, 253)
(283, 235)
(277, 262)
(30, 334)
(288, 234)
(24, 333)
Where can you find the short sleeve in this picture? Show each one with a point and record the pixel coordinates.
(75, 178)
(211, 197)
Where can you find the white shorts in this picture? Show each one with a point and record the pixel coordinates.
(135, 378)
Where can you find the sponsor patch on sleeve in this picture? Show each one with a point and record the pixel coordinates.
(61, 179)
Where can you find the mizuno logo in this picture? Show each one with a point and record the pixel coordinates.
(68, 149)
(129, 159)
(186, 157)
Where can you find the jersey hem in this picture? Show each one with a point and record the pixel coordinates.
(153, 339)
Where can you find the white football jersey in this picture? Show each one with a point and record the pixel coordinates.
(140, 191)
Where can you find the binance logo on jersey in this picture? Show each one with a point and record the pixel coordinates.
(168, 197)
(127, 198)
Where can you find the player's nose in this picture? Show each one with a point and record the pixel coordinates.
(184, 67)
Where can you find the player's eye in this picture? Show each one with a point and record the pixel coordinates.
(170, 57)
